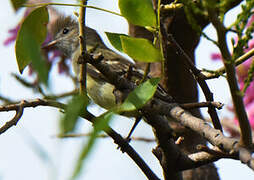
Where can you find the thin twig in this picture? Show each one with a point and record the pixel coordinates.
(217, 73)
(217, 105)
(148, 140)
(59, 96)
(34, 85)
(77, 5)
(15, 119)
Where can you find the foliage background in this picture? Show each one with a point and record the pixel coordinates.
(30, 150)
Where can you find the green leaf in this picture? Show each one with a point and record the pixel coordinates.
(138, 12)
(101, 123)
(75, 107)
(140, 49)
(31, 35)
(17, 4)
(114, 39)
(140, 95)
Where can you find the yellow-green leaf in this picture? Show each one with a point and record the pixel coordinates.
(138, 12)
(140, 95)
(31, 35)
(140, 49)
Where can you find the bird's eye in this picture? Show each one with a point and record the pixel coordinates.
(65, 30)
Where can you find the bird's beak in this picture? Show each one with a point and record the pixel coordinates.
(50, 45)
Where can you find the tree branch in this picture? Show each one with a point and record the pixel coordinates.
(83, 50)
(246, 137)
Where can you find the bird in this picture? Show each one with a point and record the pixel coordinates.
(65, 38)
(65, 33)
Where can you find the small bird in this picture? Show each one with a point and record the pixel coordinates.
(65, 32)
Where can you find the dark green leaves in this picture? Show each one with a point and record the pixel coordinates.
(138, 12)
(140, 96)
(31, 35)
(17, 4)
(75, 107)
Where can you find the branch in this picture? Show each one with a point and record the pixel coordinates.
(246, 137)
(217, 73)
(83, 50)
(201, 158)
(214, 136)
(15, 119)
(125, 147)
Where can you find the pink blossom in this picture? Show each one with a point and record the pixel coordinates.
(216, 56)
